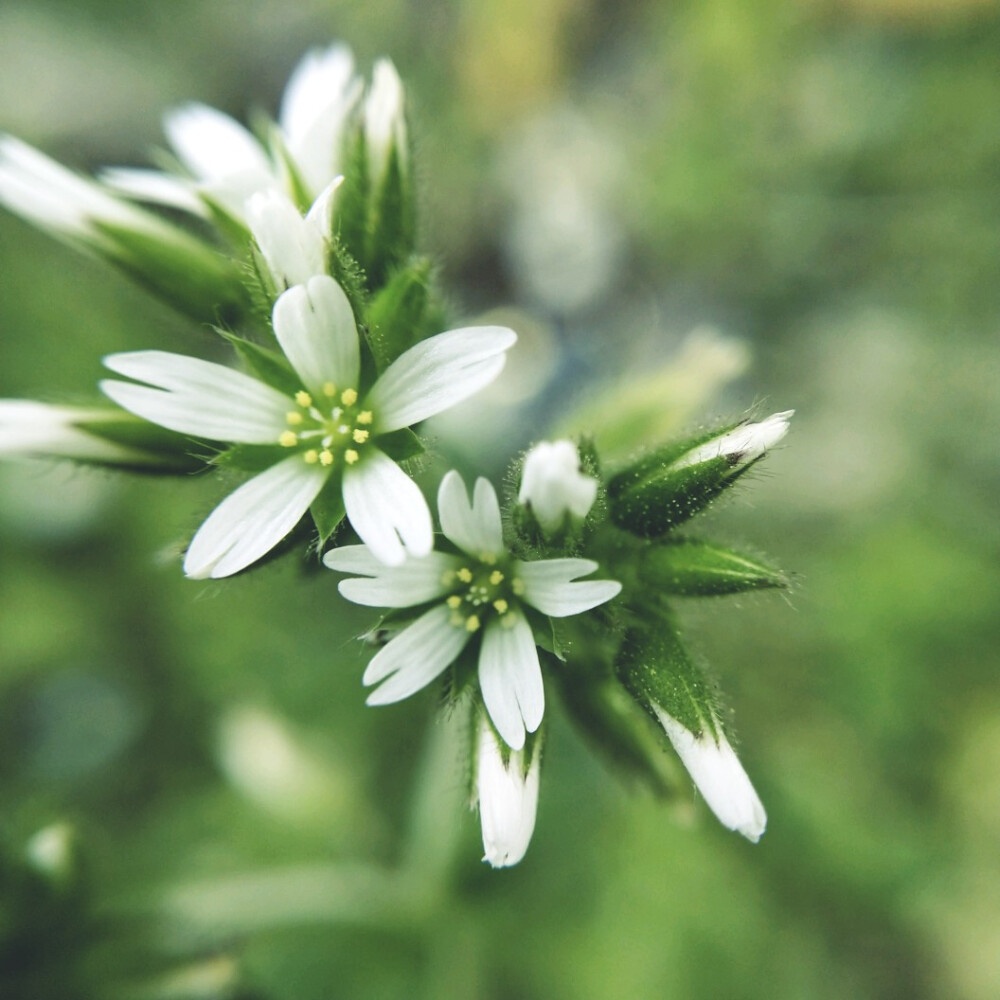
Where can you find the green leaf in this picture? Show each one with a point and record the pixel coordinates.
(327, 509)
(691, 567)
(401, 445)
(397, 313)
(393, 222)
(351, 206)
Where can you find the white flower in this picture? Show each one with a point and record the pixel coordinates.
(719, 775)
(385, 123)
(554, 487)
(226, 164)
(294, 247)
(69, 206)
(741, 445)
(483, 591)
(331, 427)
(507, 793)
(41, 430)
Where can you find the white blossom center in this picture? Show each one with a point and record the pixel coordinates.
(328, 430)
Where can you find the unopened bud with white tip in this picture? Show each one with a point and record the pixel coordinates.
(554, 487)
(742, 445)
(507, 793)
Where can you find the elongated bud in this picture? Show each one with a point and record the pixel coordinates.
(91, 435)
(172, 264)
(657, 670)
(674, 483)
(385, 123)
(507, 793)
(554, 489)
(694, 568)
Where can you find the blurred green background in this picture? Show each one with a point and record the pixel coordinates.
(221, 817)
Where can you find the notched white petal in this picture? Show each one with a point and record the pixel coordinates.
(548, 586)
(475, 528)
(413, 582)
(510, 678)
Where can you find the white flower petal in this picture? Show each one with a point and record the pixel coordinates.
(511, 679)
(508, 799)
(251, 521)
(387, 509)
(198, 397)
(385, 124)
(155, 186)
(719, 775)
(212, 145)
(43, 430)
(320, 213)
(415, 657)
(415, 581)
(438, 373)
(553, 486)
(294, 248)
(475, 529)
(547, 586)
(315, 327)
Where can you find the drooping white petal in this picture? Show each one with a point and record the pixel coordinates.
(319, 98)
(548, 586)
(415, 657)
(507, 796)
(742, 444)
(294, 248)
(719, 775)
(387, 509)
(553, 486)
(251, 521)
(315, 327)
(212, 145)
(385, 123)
(510, 678)
(415, 581)
(474, 528)
(438, 373)
(155, 186)
(192, 396)
(47, 194)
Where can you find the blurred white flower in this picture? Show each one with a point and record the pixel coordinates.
(483, 590)
(330, 427)
(507, 794)
(554, 487)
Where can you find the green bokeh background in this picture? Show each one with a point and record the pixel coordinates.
(818, 179)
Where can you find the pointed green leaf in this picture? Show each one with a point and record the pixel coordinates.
(401, 445)
(692, 567)
(327, 509)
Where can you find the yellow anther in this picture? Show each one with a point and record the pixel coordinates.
(472, 623)
(517, 586)
(288, 439)
(501, 605)
(349, 397)
(360, 436)
(303, 398)
(465, 574)
(454, 601)
(294, 417)
(351, 456)
(329, 389)
(496, 577)
(326, 457)
(311, 456)
(365, 417)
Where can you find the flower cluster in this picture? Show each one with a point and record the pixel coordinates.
(303, 257)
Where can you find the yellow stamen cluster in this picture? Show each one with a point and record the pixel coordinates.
(482, 593)
(329, 430)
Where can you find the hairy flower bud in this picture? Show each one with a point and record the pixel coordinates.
(553, 487)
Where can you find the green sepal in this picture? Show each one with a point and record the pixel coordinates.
(550, 633)
(656, 669)
(351, 209)
(232, 229)
(401, 445)
(250, 457)
(397, 312)
(393, 221)
(179, 268)
(260, 286)
(150, 448)
(693, 568)
(349, 274)
(300, 194)
(269, 366)
(327, 509)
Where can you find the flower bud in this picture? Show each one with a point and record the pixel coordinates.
(385, 123)
(507, 793)
(674, 483)
(694, 568)
(553, 487)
